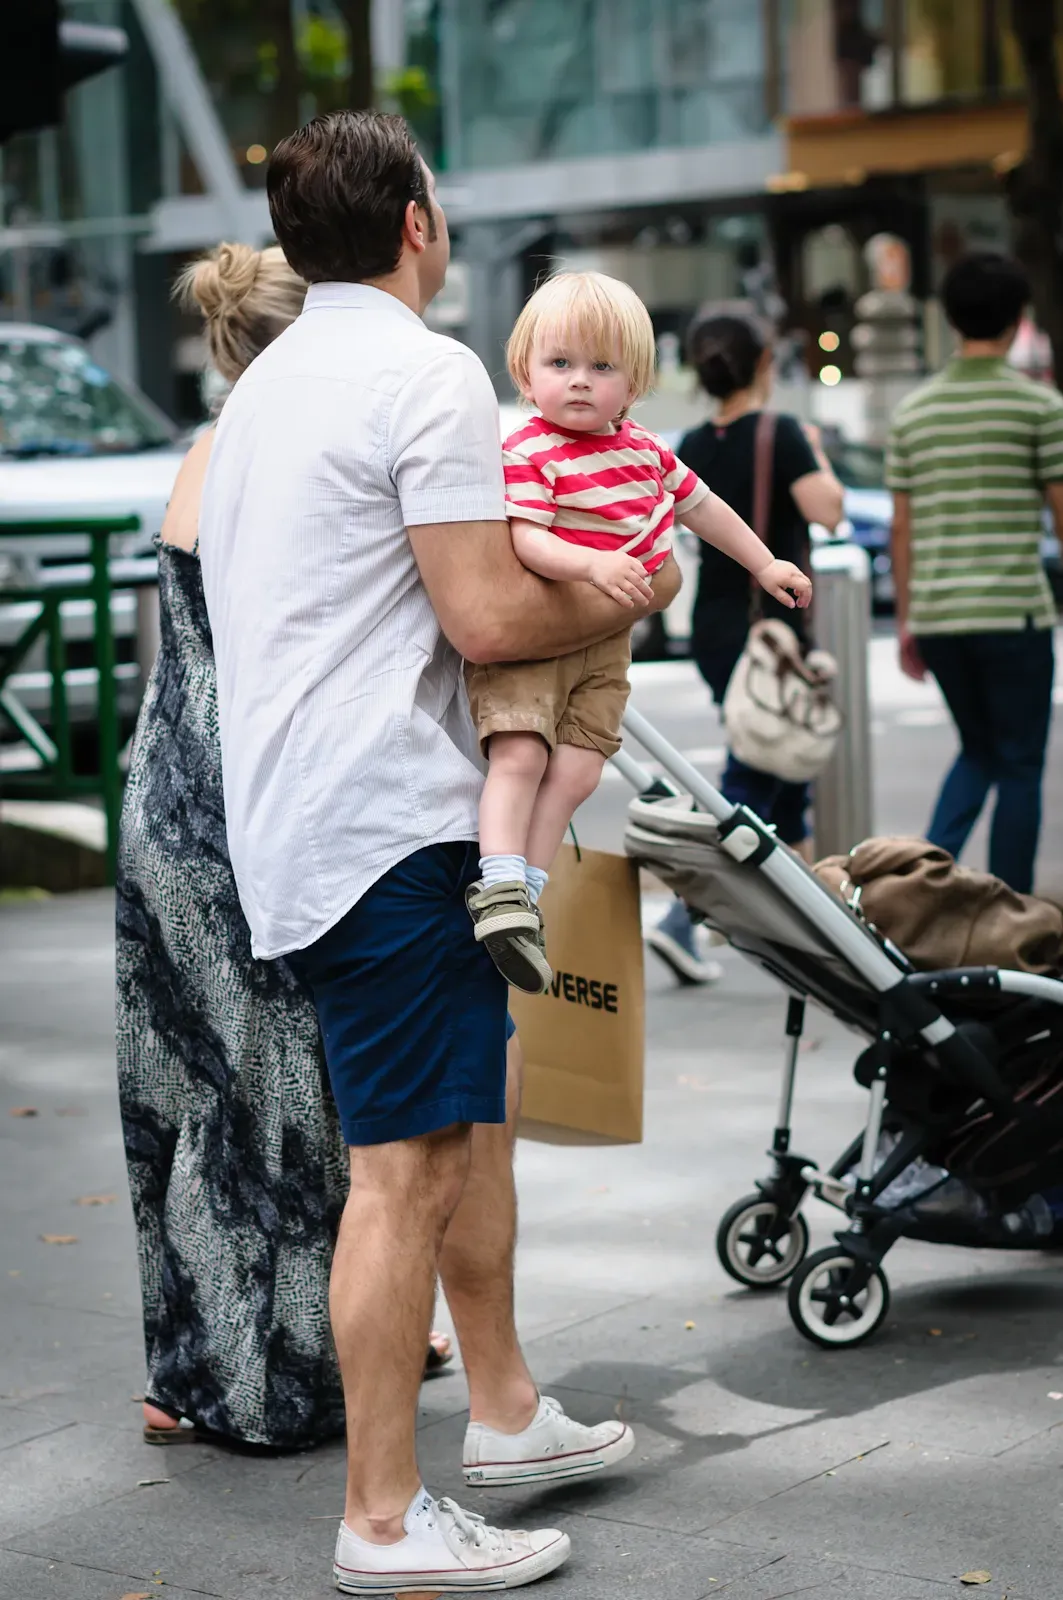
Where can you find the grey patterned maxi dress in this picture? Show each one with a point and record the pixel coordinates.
(236, 1162)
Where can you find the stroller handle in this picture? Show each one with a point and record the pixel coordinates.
(677, 766)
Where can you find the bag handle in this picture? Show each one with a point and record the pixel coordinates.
(763, 465)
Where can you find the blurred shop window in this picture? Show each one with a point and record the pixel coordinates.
(944, 50)
(839, 56)
(532, 80)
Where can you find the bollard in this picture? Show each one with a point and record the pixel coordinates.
(841, 624)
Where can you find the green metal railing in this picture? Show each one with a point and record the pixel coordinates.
(56, 779)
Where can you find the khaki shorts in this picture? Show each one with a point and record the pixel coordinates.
(576, 699)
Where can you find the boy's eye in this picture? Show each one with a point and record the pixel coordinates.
(603, 366)
(559, 362)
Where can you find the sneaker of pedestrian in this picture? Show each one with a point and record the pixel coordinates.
(510, 929)
(674, 939)
(446, 1549)
(551, 1447)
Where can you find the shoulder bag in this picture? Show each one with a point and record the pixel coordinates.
(779, 710)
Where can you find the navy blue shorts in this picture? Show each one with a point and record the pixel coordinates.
(412, 1009)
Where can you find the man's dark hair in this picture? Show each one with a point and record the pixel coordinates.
(724, 346)
(338, 191)
(985, 294)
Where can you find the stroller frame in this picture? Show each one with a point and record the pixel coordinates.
(839, 1296)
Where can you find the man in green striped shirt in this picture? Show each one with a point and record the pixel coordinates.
(974, 453)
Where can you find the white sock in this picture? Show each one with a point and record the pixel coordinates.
(503, 869)
(537, 881)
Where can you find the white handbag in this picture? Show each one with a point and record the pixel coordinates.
(779, 709)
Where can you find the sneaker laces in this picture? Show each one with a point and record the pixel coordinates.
(472, 1528)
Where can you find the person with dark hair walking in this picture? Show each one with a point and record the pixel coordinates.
(354, 546)
(731, 351)
(973, 455)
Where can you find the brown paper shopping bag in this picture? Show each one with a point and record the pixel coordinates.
(584, 1040)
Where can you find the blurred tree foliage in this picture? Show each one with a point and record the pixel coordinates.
(273, 64)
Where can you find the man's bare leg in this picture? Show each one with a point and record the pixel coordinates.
(476, 1266)
(383, 1287)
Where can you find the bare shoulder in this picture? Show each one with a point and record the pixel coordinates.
(180, 525)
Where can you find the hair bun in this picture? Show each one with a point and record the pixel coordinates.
(718, 373)
(222, 281)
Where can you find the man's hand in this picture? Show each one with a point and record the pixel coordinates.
(779, 578)
(622, 577)
(912, 663)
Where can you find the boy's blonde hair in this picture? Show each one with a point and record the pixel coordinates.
(600, 315)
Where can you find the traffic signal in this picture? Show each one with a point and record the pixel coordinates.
(41, 57)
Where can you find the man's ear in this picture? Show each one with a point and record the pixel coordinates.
(413, 227)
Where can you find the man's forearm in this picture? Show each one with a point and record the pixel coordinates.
(900, 559)
(558, 617)
(492, 608)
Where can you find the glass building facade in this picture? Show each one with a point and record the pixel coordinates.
(642, 133)
(538, 80)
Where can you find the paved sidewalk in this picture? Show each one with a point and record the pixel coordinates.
(765, 1467)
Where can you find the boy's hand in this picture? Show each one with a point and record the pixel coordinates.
(621, 577)
(779, 578)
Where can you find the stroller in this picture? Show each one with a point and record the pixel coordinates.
(964, 1067)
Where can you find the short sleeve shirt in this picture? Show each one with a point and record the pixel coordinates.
(724, 457)
(973, 448)
(606, 491)
(346, 738)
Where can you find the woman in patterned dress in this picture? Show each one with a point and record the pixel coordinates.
(237, 1167)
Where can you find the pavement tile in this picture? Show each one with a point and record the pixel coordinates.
(789, 1575)
(19, 1423)
(36, 1578)
(608, 1561)
(234, 1526)
(50, 1347)
(935, 1513)
(77, 1467)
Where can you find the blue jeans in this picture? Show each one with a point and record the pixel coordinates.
(998, 687)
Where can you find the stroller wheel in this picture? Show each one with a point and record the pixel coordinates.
(824, 1306)
(758, 1244)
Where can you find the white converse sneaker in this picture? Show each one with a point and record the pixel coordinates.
(446, 1548)
(551, 1446)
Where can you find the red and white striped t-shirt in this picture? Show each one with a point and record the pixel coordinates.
(609, 491)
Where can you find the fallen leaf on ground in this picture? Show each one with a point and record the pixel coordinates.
(141, 1594)
(976, 1577)
(1054, 1394)
(23, 1111)
(689, 1325)
(59, 1238)
(96, 1200)
(935, 1333)
(149, 1483)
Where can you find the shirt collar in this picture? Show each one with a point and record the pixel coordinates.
(976, 366)
(355, 297)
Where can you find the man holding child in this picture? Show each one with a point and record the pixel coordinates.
(354, 548)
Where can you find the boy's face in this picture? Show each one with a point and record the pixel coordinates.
(576, 389)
